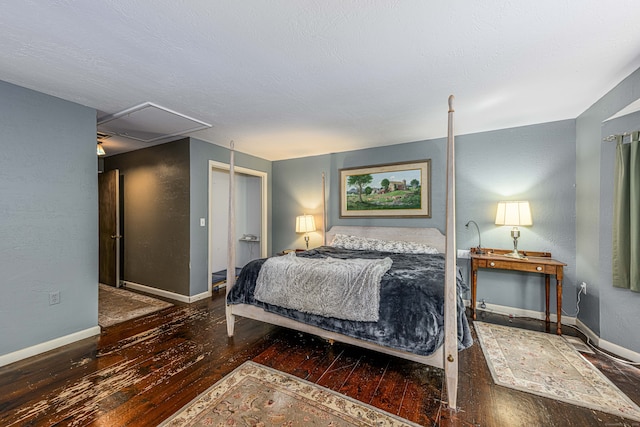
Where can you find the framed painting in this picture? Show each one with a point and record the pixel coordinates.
(395, 190)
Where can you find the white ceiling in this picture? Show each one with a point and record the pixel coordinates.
(287, 79)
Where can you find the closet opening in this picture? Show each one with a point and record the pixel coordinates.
(250, 221)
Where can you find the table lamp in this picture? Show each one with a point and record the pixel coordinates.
(305, 224)
(515, 214)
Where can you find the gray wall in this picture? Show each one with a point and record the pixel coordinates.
(297, 187)
(608, 311)
(48, 218)
(155, 184)
(536, 163)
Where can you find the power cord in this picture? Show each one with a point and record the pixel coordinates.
(483, 305)
(577, 305)
(589, 343)
(607, 355)
(625, 362)
(484, 311)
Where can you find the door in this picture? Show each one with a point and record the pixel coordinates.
(109, 227)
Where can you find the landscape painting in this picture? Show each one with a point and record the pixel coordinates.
(392, 190)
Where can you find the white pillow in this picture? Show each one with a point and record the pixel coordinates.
(366, 243)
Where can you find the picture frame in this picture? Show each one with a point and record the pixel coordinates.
(394, 190)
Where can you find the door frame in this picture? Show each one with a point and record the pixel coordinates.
(263, 206)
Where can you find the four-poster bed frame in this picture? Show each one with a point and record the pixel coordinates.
(446, 356)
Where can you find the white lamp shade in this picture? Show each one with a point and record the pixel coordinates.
(100, 150)
(305, 223)
(513, 213)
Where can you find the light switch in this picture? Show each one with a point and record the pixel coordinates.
(202, 222)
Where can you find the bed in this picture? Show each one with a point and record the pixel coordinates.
(439, 350)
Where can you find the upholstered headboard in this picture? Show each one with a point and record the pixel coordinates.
(429, 236)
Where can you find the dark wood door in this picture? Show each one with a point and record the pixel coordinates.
(109, 227)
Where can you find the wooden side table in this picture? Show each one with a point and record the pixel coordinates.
(535, 262)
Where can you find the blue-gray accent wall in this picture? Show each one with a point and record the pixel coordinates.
(534, 163)
(48, 218)
(610, 312)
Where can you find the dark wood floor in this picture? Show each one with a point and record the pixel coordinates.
(140, 372)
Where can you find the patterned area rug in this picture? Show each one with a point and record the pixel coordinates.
(548, 366)
(260, 396)
(118, 305)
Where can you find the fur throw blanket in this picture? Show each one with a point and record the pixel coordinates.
(330, 287)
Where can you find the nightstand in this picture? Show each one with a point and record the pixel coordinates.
(286, 251)
(535, 262)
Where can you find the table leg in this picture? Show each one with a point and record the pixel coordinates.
(559, 300)
(547, 291)
(474, 283)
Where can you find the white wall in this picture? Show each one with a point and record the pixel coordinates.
(219, 218)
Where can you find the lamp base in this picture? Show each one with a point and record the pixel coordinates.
(515, 254)
(515, 233)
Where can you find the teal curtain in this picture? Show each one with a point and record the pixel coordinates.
(626, 215)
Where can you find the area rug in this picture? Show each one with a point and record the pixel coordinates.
(546, 365)
(118, 305)
(260, 396)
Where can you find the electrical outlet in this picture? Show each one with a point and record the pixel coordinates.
(583, 287)
(54, 297)
(464, 254)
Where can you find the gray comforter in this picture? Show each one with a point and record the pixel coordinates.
(411, 302)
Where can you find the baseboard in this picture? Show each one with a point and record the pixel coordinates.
(606, 345)
(595, 340)
(166, 294)
(34, 350)
(521, 312)
(566, 320)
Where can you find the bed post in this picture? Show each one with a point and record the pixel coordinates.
(231, 241)
(450, 290)
(324, 212)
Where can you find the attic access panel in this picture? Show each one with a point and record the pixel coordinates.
(149, 122)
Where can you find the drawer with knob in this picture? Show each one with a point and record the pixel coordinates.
(520, 266)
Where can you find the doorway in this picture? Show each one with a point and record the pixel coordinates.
(250, 221)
